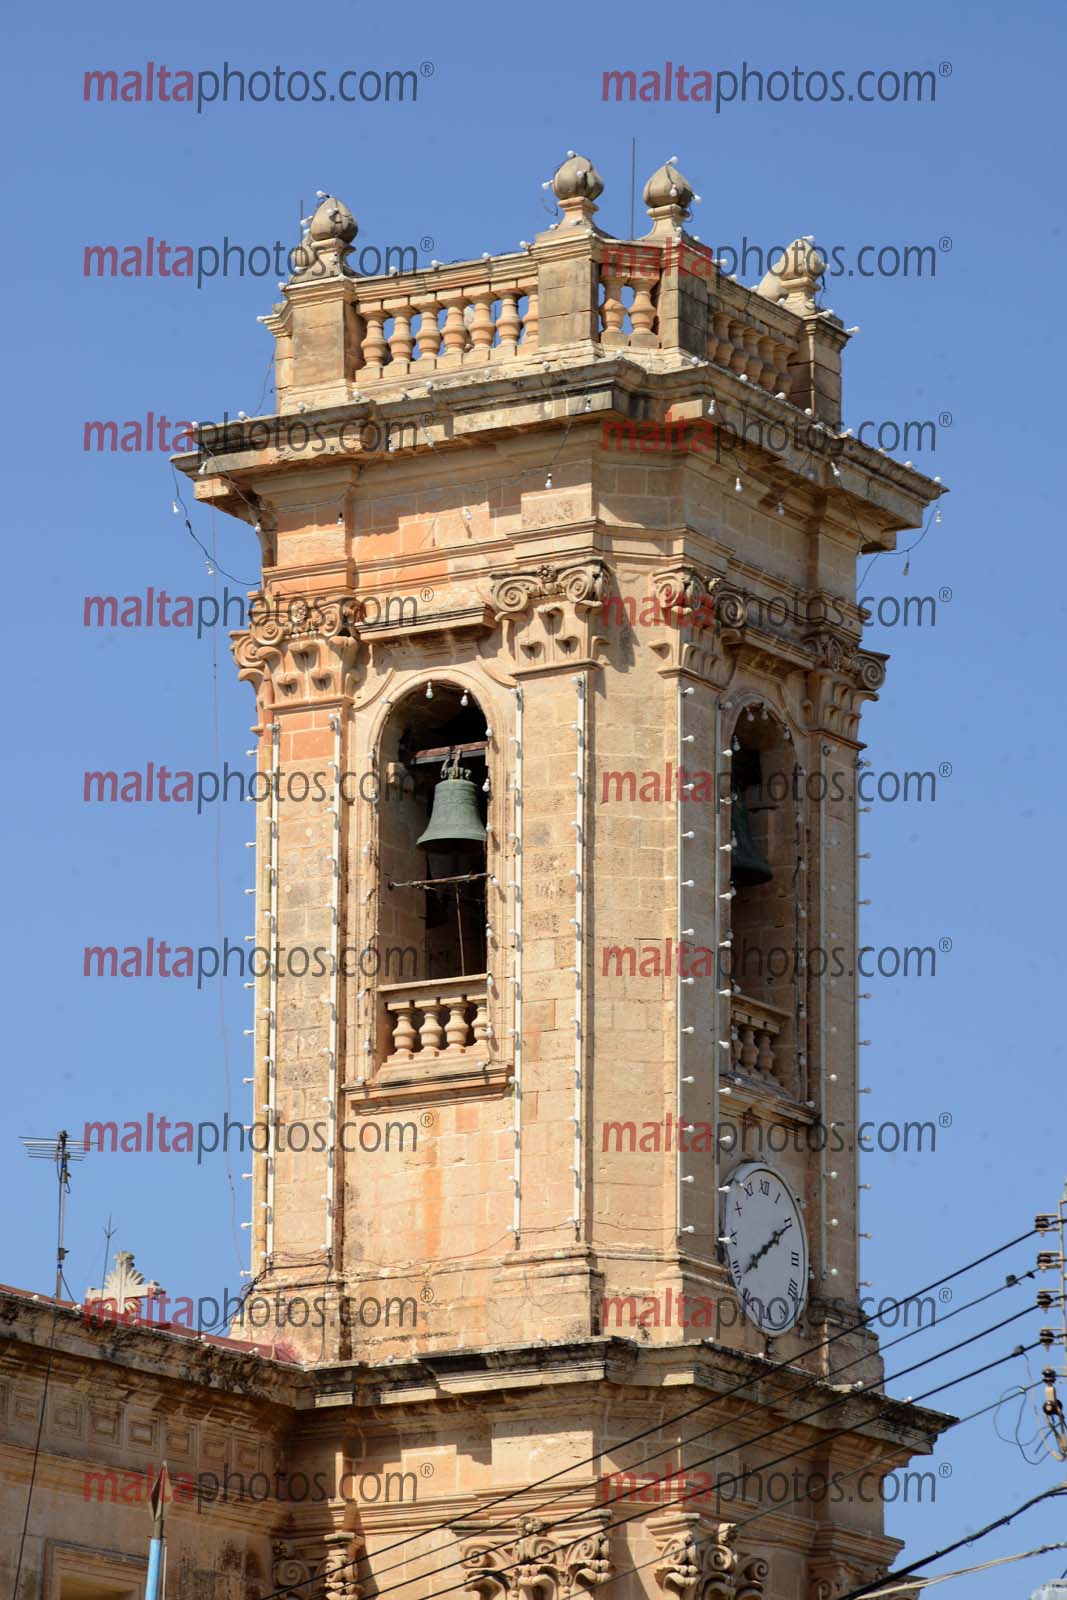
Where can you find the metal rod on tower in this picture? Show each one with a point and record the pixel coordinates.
(62, 1150)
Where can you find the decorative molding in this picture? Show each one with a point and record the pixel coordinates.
(124, 1287)
(694, 603)
(699, 1560)
(841, 679)
(834, 1576)
(551, 614)
(306, 656)
(533, 1566)
(332, 1558)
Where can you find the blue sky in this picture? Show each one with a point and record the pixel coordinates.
(969, 345)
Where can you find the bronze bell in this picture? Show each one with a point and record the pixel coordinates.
(747, 866)
(454, 818)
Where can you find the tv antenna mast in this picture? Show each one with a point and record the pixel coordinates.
(62, 1150)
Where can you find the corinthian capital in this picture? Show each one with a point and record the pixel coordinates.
(536, 1566)
(299, 650)
(699, 1560)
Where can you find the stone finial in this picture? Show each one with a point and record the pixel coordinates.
(576, 185)
(668, 196)
(322, 251)
(794, 276)
(124, 1286)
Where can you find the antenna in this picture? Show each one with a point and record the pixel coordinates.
(109, 1234)
(62, 1150)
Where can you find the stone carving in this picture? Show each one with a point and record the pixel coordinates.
(295, 1567)
(577, 185)
(535, 1566)
(688, 598)
(551, 613)
(700, 1561)
(124, 1287)
(340, 1567)
(289, 1571)
(842, 678)
(513, 592)
(323, 250)
(795, 277)
(835, 1576)
(299, 649)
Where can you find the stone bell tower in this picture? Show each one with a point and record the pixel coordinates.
(551, 1106)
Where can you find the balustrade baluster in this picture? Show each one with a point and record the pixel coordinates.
(612, 310)
(643, 312)
(401, 342)
(429, 334)
(404, 1034)
(431, 1033)
(481, 327)
(508, 324)
(456, 1029)
(529, 325)
(753, 365)
(455, 327)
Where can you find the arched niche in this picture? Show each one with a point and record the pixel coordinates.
(432, 916)
(766, 922)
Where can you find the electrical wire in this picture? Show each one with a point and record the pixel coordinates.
(965, 1572)
(690, 1411)
(36, 1452)
(971, 1538)
(840, 1478)
(208, 557)
(223, 1030)
(583, 1512)
(843, 1477)
(681, 1444)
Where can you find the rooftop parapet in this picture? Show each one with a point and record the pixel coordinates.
(574, 291)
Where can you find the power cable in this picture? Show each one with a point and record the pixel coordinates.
(583, 1512)
(690, 1411)
(971, 1538)
(680, 1444)
(965, 1377)
(36, 1452)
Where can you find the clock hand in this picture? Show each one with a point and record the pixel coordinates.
(762, 1251)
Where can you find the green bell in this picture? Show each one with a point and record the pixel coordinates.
(747, 866)
(454, 818)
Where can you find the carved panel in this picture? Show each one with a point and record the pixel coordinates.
(842, 678)
(334, 1559)
(835, 1576)
(551, 614)
(535, 1566)
(699, 1560)
(305, 654)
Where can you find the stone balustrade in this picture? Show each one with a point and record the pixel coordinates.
(755, 1030)
(442, 320)
(573, 287)
(448, 1017)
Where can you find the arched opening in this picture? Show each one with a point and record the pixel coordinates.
(768, 942)
(433, 874)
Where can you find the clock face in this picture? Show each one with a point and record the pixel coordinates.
(765, 1246)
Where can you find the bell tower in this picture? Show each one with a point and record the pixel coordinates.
(558, 676)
